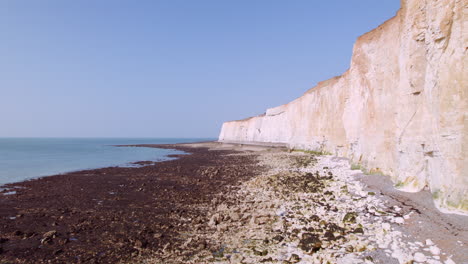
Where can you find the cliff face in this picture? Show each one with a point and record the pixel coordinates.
(401, 109)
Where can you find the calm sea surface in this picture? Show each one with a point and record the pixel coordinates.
(26, 158)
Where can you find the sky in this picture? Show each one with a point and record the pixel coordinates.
(167, 68)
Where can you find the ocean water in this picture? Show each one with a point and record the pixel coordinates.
(26, 158)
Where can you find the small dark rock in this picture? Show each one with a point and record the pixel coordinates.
(278, 238)
(294, 258)
(310, 243)
(315, 218)
(18, 233)
(329, 235)
(358, 230)
(140, 243)
(269, 259)
(50, 234)
(260, 253)
(349, 218)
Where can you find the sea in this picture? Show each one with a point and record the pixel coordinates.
(26, 158)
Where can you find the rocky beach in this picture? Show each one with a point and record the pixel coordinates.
(226, 203)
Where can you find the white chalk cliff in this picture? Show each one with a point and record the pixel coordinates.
(401, 109)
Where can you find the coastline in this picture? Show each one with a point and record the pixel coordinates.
(112, 214)
(199, 207)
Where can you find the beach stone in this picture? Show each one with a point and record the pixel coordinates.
(386, 226)
(329, 235)
(315, 218)
(358, 231)
(294, 258)
(278, 238)
(269, 259)
(140, 244)
(434, 250)
(222, 227)
(214, 220)
(429, 242)
(310, 242)
(419, 257)
(261, 220)
(50, 234)
(350, 217)
(236, 259)
(449, 261)
(234, 216)
(263, 252)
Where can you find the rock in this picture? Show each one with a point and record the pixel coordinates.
(315, 218)
(386, 226)
(48, 237)
(349, 248)
(202, 245)
(234, 216)
(329, 235)
(222, 227)
(358, 231)
(434, 250)
(261, 220)
(236, 259)
(419, 257)
(310, 243)
(294, 258)
(269, 259)
(349, 218)
(399, 220)
(252, 220)
(214, 220)
(429, 242)
(449, 261)
(278, 238)
(50, 234)
(139, 244)
(263, 252)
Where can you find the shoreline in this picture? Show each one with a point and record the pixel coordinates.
(196, 209)
(112, 214)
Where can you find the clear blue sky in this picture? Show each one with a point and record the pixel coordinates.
(167, 68)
